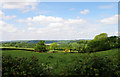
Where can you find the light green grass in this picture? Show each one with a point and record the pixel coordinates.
(23, 53)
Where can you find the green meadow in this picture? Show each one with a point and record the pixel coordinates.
(59, 61)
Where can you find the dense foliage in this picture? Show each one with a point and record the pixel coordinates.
(40, 46)
(53, 46)
(100, 42)
(95, 66)
(23, 67)
(107, 66)
(31, 43)
(18, 44)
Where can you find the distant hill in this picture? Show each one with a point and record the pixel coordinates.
(46, 41)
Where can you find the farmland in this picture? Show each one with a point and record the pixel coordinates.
(97, 57)
(59, 61)
(27, 54)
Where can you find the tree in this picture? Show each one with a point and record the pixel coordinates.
(100, 42)
(75, 46)
(23, 44)
(113, 41)
(53, 46)
(64, 46)
(100, 36)
(16, 45)
(118, 41)
(69, 46)
(82, 46)
(40, 46)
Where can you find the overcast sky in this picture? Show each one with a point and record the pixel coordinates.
(57, 20)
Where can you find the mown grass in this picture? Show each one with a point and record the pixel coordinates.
(58, 60)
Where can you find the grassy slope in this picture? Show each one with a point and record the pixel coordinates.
(21, 53)
(62, 59)
(44, 57)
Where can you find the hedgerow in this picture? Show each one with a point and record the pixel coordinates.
(89, 66)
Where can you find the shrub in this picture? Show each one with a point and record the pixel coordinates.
(23, 67)
(94, 66)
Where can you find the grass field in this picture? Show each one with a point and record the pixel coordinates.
(24, 53)
(58, 60)
(14, 48)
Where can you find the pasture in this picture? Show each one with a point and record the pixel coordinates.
(58, 61)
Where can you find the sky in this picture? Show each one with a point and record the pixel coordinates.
(57, 20)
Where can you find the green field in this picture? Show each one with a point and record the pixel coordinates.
(61, 60)
(24, 53)
(14, 48)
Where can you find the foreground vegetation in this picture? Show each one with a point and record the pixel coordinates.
(27, 63)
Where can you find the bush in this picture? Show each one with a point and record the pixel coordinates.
(94, 66)
(23, 67)
(87, 66)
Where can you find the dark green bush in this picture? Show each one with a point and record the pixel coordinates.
(23, 67)
(94, 66)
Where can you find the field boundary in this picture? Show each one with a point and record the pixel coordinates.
(16, 49)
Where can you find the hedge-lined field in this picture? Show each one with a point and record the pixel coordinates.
(65, 63)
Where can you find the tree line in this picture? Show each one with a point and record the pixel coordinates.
(99, 43)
